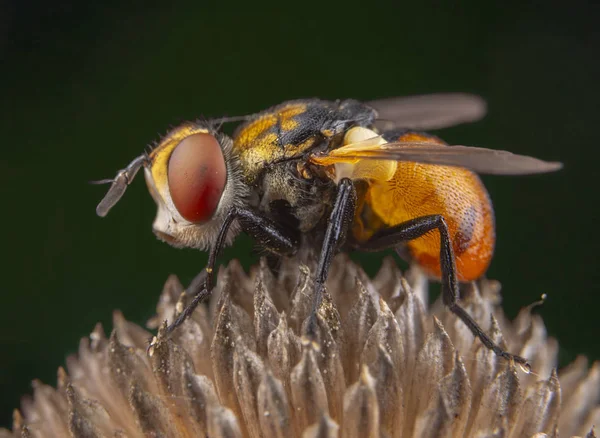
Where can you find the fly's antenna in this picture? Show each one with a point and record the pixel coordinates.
(119, 184)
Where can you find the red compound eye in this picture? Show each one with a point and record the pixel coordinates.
(197, 176)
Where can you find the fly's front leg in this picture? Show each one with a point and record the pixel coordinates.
(413, 229)
(267, 233)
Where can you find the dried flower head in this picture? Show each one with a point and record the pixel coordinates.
(375, 362)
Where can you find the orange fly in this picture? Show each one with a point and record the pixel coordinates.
(342, 175)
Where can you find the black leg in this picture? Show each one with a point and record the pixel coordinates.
(267, 233)
(197, 283)
(335, 235)
(413, 229)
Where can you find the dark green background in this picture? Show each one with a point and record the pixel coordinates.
(86, 88)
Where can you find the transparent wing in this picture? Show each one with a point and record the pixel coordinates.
(428, 111)
(480, 160)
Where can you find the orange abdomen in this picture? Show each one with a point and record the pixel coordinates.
(457, 194)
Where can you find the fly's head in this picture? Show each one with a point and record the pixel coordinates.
(195, 181)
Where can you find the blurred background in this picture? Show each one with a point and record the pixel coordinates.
(85, 87)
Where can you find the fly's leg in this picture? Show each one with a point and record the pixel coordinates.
(270, 235)
(335, 235)
(415, 228)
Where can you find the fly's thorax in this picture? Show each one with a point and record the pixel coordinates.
(269, 137)
(266, 153)
(294, 128)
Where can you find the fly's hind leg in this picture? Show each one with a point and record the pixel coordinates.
(394, 236)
